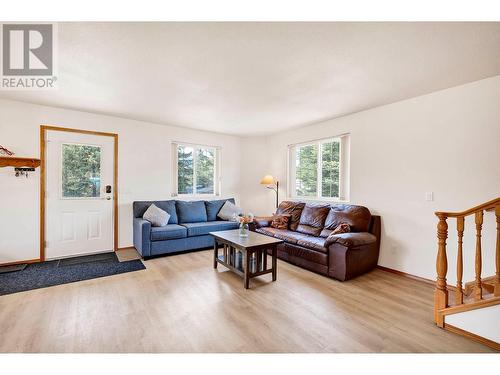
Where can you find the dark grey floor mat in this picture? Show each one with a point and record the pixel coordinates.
(45, 274)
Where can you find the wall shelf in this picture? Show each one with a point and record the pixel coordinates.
(11, 161)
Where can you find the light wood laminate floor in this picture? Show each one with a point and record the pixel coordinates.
(181, 304)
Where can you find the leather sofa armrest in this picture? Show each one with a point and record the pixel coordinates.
(351, 239)
(142, 236)
(262, 221)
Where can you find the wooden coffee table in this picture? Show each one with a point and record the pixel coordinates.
(245, 256)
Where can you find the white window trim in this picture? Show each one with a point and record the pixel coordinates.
(175, 175)
(344, 169)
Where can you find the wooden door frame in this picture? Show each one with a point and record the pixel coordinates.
(43, 136)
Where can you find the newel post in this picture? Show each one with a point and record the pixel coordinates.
(441, 292)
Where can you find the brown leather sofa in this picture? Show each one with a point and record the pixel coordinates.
(308, 244)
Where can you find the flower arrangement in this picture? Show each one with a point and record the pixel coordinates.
(244, 220)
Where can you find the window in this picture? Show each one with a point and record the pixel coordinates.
(195, 170)
(306, 170)
(81, 171)
(319, 169)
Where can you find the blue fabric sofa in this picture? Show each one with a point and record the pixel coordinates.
(187, 228)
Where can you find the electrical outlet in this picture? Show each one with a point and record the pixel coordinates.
(429, 196)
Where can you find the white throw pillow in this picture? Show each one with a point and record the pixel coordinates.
(156, 216)
(229, 211)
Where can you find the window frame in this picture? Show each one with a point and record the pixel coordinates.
(344, 149)
(175, 171)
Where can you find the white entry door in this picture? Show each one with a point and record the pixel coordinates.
(79, 194)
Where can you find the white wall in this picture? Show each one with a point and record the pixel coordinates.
(482, 322)
(144, 168)
(447, 142)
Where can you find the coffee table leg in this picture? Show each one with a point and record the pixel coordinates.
(216, 251)
(246, 278)
(275, 261)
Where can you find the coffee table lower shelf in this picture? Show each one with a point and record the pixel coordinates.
(247, 257)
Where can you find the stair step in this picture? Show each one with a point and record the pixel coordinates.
(468, 299)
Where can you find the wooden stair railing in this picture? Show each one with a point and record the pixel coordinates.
(441, 302)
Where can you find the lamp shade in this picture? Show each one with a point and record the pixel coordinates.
(267, 180)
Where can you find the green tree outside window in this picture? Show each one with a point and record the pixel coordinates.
(317, 169)
(195, 170)
(81, 171)
(185, 170)
(306, 170)
(330, 169)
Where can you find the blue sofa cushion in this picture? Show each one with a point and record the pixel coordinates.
(140, 207)
(199, 229)
(168, 232)
(191, 212)
(213, 207)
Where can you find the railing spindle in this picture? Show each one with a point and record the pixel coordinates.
(497, 273)
(478, 289)
(491, 284)
(459, 294)
(441, 292)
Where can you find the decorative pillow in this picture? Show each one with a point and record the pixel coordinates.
(281, 221)
(139, 207)
(341, 228)
(213, 207)
(229, 211)
(156, 216)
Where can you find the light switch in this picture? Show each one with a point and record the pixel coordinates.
(429, 196)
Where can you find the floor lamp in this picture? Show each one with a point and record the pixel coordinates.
(271, 184)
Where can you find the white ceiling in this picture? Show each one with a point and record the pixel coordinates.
(258, 78)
